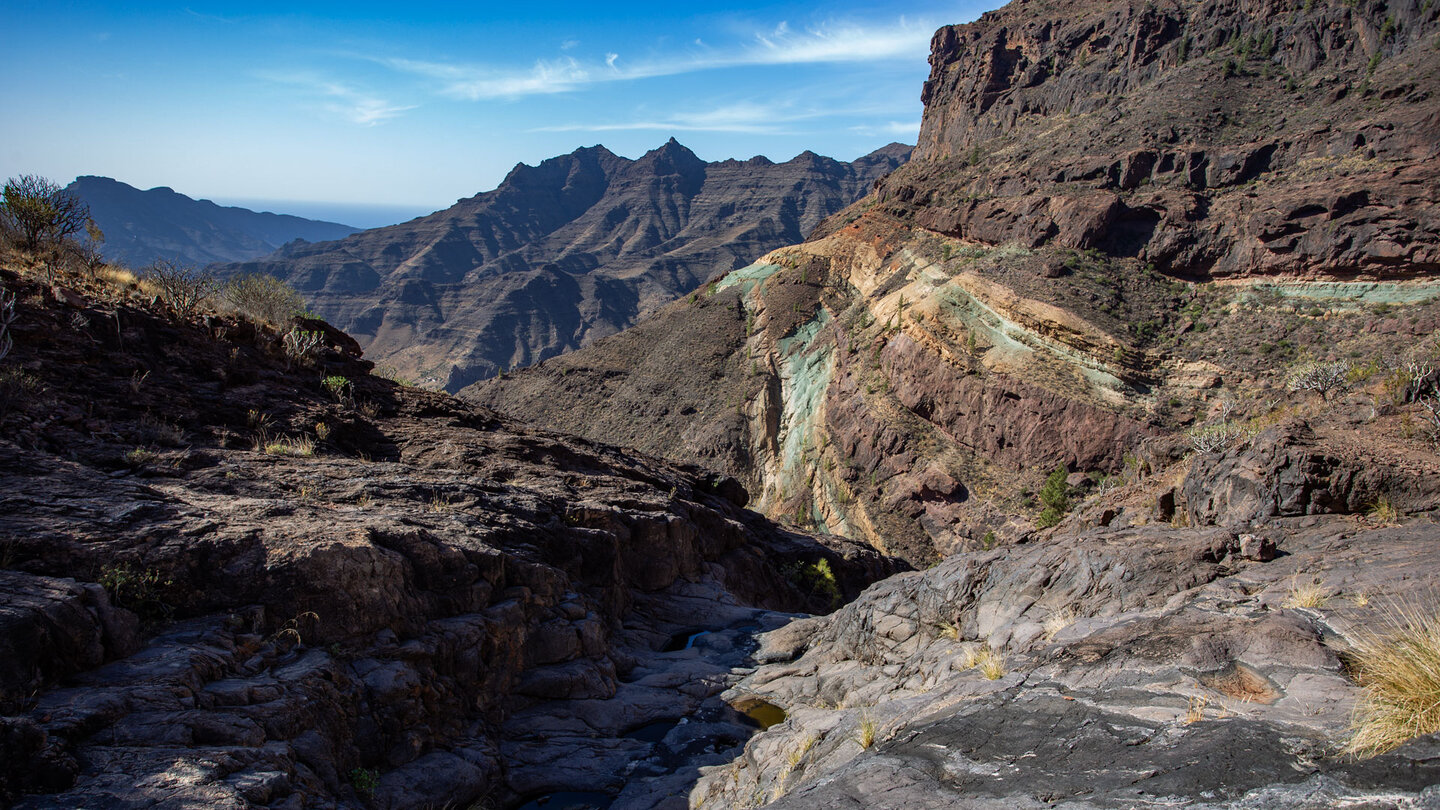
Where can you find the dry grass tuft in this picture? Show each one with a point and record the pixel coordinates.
(865, 734)
(1383, 512)
(1305, 595)
(301, 447)
(990, 663)
(1057, 621)
(1196, 712)
(1399, 669)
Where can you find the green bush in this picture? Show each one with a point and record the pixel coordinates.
(37, 213)
(262, 297)
(1056, 497)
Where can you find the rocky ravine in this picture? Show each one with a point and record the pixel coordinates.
(226, 583)
(1129, 228)
(1124, 220)
(562, 253)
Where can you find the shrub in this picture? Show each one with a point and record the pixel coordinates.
(336, 386)
(1056, 497)
(1399, 670)
(137, 590)
(1214, 437)
(1322, 377)
(301, 345)
(263, 297)
(180, 287)
(364, 780)
(38, 213)
(815, 578)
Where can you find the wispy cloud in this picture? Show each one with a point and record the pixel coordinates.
(474, 83)
(749, 117)
(342, 100)
(908, 129)
(781, 45)
(741, 117)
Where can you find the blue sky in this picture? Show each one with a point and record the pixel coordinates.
(416, 105)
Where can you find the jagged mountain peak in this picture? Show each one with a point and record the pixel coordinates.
(461, 294)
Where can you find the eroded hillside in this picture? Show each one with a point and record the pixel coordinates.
(1124, 221)
(238, 570)
(560, 254)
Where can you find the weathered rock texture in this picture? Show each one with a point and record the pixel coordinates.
(198, 609)
(562, 253)
(1023, 295)
(143, 226)
(1137, 667)
(1215, 139)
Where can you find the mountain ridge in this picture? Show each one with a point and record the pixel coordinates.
(560, 253)
(141, 226)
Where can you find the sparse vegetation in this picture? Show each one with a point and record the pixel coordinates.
(36, 213)
(1399, 669)
(980, 657)
(181, 288)
(1383, 512)
(1323, 377)
(299, 447)
(262, 298)
(865, 732)
(136, 589)
(301, 345)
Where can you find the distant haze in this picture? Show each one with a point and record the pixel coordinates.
(414, 106)
(356, 215)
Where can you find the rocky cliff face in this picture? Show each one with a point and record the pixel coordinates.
(1039, 288)
(143, 226)
(1185, 254)
(237, 577)
(562, 253)
(1219, 140)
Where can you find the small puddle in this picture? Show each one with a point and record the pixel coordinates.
(569, 800)
(651, 732)
(683, 641)
(766, 714)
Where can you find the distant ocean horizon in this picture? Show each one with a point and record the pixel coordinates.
(356, 215)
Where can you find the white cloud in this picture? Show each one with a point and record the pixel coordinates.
(746, 117)
(908, 130)
(830, 43)
(342, 100)
(475, 83)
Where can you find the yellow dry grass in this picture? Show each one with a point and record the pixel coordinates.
(1399, 669)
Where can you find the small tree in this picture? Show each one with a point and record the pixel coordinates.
(38, 213)
(1056, 497)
